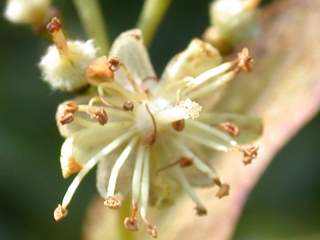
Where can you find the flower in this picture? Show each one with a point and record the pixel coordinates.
(27, 12)
(157, 135)
(65, 63)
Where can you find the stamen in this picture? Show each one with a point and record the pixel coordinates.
(54, 28)
(182, 161)
(118, 165)
(137, 173)
(199, 126)
(200, 165)
(60, 213)
(230, 128)
(224, 188)
(131, 222)
(67, 113)
(113, 202)
(211, 74)
(144, 195)
(210, 144)
(249, 154)
(128, 106)
(213, 85)
(178, 125)
(245, 61)
(100, 115)
(189, 190)
(91, 163)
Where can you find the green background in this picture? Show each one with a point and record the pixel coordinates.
(284, 204)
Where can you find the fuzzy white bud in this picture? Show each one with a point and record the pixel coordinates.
(234, 19)
(27, 11)
(67, 72)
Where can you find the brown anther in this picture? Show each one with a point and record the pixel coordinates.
(113, 64)
(131, 224)
(249, 154)
(54, 25)
(112, 202)
(179, 125)
(230, 128)
(223, 191)
(100, 115)
(128, 106)
(66, 118)
(201, 211)
(245, 61)
(60, 213)
(68, 112)
(152, 231)
(185, 162)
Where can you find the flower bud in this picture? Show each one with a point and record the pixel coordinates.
(27, 12)
(234, 20)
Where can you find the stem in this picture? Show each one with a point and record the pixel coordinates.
(92, 20)
(151, 15)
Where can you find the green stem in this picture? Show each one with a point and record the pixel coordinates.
(151, 15)
(92, 20)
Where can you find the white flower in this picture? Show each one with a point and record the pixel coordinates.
(64, 64)
(27, 11)
(157, 136)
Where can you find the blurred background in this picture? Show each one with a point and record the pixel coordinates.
(284, 204)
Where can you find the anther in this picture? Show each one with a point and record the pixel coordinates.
(245, 61)
(249, 154)
(224, 188)
(60, 213)
(201, 211)
(185, 162)
(152, 231)
(112, 202)
(178, 125)
(54, 27)
(66, 118)
(68, 111)
(131, 224)
(128, 106)
(230, 128)
(100, 115)
(113, 64)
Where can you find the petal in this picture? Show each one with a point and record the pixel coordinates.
(130, 50)
(199, 56)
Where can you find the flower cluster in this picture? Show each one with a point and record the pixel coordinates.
(148, 136)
